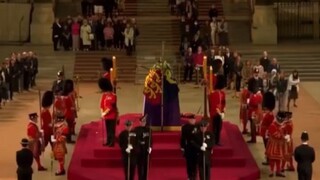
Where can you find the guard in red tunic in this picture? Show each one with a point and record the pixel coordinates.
(46, 117)
(275, 145)
(254, 112)
(69, 111)
(58, 139)
(217, 104)
(58, 105)
(109, 110)
(244, 96)
(288, 145)
(269, 102)
(35, 138)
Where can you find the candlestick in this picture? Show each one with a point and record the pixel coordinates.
(111, 75)
(210, 78)
(114, 65)
(204, 66)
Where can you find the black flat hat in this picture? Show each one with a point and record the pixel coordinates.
(24, 141)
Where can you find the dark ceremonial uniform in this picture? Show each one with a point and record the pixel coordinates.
(304, 156)
(188, 132)
(144, 137)
(24, 158)
(204, 157)
(254, 83)
(124, 137)
(57, 86)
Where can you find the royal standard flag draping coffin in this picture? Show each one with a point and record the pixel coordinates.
(153, 92)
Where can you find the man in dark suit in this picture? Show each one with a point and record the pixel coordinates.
(24, 159)
(304, 156)
(58, 84)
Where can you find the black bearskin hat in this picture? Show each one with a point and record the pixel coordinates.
(47, 99)
(106, 64)
(220, 82)
(216, 65)
(269, 101)
(68, 87)
(105, 84)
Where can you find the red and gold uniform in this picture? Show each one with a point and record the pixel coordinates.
(274, 149)
(59, 144)
(288, 146)
(109, 113)
(266, 122)
(69, 112)
(245, 94)
(217, 105)
(35, 138)
(254, 114)
(46, 120)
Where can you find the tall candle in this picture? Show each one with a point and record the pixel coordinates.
(204, 66)
(210, 78)
(114, 67)
(111, 75)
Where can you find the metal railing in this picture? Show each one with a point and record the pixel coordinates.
(295, 19)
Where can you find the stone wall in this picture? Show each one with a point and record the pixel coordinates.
(14, 20)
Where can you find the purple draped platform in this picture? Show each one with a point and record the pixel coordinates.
(171, 113)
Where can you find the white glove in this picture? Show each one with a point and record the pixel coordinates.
(203, 148)
(182, 149)
(149, 150)
(204, 145)
(130, 146)
(128, 150)
(41, 131)
(53, 139)
(288, 140)
(222, 115)
(248, 101)
(287, 136)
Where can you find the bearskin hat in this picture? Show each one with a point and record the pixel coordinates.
(216, 65)
(47, 99)
(220, 82)
(106, 64)
(269, 101)
(105, 84)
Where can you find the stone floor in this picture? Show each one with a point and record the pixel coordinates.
(13, 117)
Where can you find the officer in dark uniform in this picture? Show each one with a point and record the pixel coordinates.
(144, 136)
(304, 156)
(203, 142)
(128, 143)
(58, 84)
(24, 158)
(188, 132)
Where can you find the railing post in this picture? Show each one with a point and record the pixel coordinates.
(316, 17)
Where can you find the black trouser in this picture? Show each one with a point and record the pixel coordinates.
(133, 163)
(26, 80)
(304, 174)
(33, 79)
(253, 130)
(188, 72)
(111, 130)
(10, 90)
(238, 83)
(24, 176)
(142, 162)
(206, 168)
(55, 43)
(217, 127)
(191, 160)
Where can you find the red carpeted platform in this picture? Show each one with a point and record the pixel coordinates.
(92, 161)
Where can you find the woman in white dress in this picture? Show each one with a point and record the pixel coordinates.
(213, 26)
(128, 38)
(86, 36)
(293, 88)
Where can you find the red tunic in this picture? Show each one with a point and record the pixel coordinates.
(274, 150)
(265, 123)
(254, 106)
(288, 146)
(109, 101)
(46, 119)
(245, 94)
(59, 105)
(34, 136)
(69, 108)
(106, 75)
(217, 102)
(59, 147)
(198, 59)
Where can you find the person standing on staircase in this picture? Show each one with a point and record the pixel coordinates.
(128, 38)
(35, 137)
(204, 142)
(144, 136)
(128, 143)
(188, 132)
(56, 34)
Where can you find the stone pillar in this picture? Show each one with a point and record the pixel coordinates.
(264, 26)
(316, 17)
